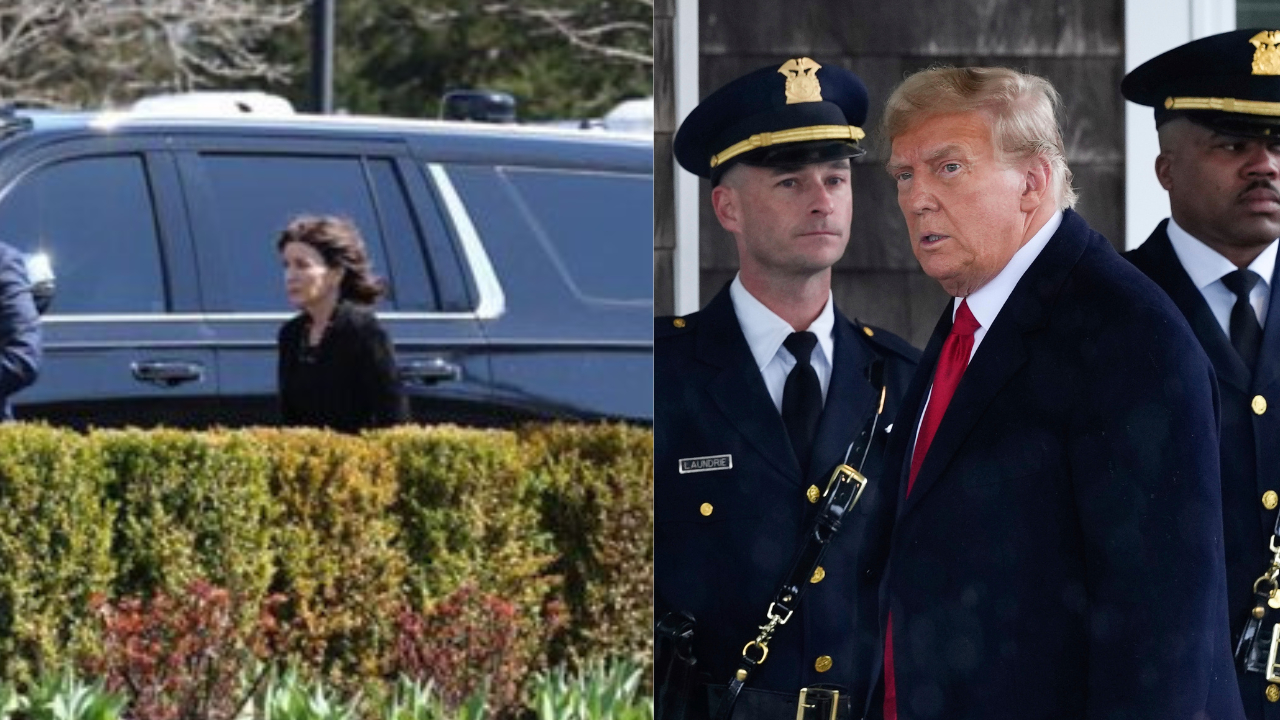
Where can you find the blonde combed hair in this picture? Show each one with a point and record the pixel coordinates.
(1021, 108)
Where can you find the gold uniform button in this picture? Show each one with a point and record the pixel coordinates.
(706, 509)
(678, 322)
(1273, 693)
(812, 493)
(868, 331)
(1270, 499)
(818, 574)
(823, 663)
(1259, 404)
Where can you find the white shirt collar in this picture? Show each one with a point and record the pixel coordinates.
(1206, 265)
(765, 331)
(986, 301)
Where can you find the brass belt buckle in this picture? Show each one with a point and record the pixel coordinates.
(814, 702)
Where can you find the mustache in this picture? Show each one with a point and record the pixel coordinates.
(1261, 184)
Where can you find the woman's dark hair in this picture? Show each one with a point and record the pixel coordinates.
(339, 243)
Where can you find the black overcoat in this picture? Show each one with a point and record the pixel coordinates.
(1060, 554)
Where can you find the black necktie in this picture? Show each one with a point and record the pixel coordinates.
(801, 397)
(1246, 334)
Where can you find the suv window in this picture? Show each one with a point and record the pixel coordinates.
(93, 217)
(266, 192)
(610, 227)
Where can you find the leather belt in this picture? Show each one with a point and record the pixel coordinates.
(820, 702)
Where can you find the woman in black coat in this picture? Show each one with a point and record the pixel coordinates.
(336, 365)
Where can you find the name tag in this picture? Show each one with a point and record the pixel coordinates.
(706, 463)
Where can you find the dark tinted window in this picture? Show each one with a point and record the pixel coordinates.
(93, 218)
(256, 197)
(598, 227)
(408, 268)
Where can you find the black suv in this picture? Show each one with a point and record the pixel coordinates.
(519, 261)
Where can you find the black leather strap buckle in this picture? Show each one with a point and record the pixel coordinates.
(818, 703)
(847, 484)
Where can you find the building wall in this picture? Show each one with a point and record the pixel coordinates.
(1078, 46)
(664, 125)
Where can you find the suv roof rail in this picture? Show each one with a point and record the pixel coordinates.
(213, 102)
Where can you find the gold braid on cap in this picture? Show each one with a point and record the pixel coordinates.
(782, 137)
(1231, 105)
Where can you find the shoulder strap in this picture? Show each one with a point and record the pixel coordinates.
(843, 491)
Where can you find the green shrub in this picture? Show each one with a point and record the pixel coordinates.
(337, 561)
(555, 522)
(190, 506)
(468, 513)
(598, 506)
(55, 547)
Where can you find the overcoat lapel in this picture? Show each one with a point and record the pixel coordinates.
(739, 390)
(850, 402)
(1003, 349)
(1157, 259)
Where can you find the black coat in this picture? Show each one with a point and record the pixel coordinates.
(20, 335)
(1060, 554)
(1250, 442)
(710, 399)
(348, 382)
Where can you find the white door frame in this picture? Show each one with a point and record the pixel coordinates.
(1150, 28)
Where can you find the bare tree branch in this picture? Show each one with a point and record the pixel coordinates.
(94, 52)
(616, 34)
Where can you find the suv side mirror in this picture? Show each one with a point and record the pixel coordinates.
(40, 275)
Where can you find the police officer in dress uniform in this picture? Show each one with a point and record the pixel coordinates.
(1217, 111)
(761, 394)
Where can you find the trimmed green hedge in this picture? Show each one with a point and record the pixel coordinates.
(556, 520)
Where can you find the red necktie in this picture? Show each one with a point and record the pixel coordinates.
(951, 365)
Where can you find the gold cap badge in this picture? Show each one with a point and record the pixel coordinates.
(1266, 52)
(802, 80)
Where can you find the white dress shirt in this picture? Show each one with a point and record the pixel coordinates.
(765, 333)
(985, 302)
(1206, 268)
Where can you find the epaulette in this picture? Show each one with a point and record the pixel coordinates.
(671, 325)
(886, 341)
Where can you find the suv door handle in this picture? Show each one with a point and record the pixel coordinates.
(167, 374)
(430, 372)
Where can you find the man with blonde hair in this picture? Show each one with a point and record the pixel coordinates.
(1057, 550)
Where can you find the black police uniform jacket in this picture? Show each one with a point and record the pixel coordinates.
(1249, 443)
(1060, 554)
(723, 562)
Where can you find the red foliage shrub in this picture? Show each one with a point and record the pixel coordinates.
(184, 657)
(461, 643)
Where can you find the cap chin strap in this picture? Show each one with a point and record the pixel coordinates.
(793, 135)
(1231, 105)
